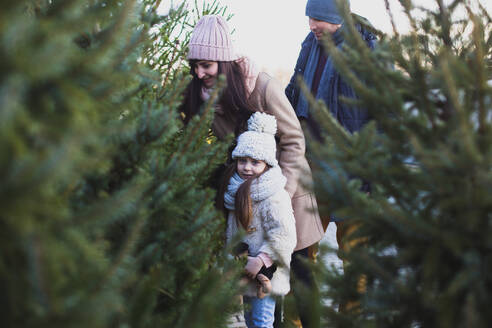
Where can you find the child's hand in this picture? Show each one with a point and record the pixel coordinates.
(253, 266)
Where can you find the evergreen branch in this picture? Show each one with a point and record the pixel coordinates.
(168, 73)
(415, 67)
(462, 114)
(354, 35)
(172, 101)
(130, 47)
(100, 213)
(35, 260)
(109, 35)
(95, 95)
(481, 79)
(124, 252)
(393, 216)
(366, 24)
(484, 11)
(407, 7)
(167, 293)
(156, 5)
(392, 19)
(196, 228)
(445, 20)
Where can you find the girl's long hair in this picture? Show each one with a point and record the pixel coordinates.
(233, 99)
(243, 205)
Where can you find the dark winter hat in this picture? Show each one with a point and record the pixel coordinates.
(325, 10)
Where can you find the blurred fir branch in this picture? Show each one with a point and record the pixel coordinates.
(420, 253)
(107, 218)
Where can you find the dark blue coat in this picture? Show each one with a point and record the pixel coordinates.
(350, 117)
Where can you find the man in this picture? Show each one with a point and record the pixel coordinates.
(317, 69)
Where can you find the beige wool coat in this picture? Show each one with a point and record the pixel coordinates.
(268, 96)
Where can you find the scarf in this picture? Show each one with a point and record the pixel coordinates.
(206, 93)
(263, 187)
(302, 109)
(250, 73)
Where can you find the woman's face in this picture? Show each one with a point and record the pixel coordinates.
(207, 72)
(248, 167)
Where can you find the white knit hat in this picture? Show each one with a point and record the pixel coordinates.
(259, 141)
(211, 40)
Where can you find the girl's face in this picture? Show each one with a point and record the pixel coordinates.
(207, 72)
(248, 167)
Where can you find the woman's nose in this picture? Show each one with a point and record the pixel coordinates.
(199, 72)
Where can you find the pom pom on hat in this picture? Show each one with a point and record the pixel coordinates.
(259, 141)
(262, 122)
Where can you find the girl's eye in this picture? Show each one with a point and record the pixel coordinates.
(255, 162)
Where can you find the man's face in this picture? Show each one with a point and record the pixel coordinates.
(320, 28)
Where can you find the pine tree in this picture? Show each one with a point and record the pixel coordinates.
(106, 219)
(421, 253)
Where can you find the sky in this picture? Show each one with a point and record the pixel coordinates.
(270, 32)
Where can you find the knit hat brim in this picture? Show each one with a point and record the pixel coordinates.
(324, 10)
(207, 52)
(259, 146)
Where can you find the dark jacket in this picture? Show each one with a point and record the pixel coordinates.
(350, 117)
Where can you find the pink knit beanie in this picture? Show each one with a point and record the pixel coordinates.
(211, 40)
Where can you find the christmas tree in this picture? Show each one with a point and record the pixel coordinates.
(107, 219)
(420, 251)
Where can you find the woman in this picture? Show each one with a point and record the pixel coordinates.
(210, 54)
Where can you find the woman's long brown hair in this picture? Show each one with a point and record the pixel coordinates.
(233, 99)
(243, 205)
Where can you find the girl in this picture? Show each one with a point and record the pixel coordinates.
(259, 206)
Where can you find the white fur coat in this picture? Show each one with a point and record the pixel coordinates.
(272, 227)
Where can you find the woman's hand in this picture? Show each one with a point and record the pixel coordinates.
(253, 266)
